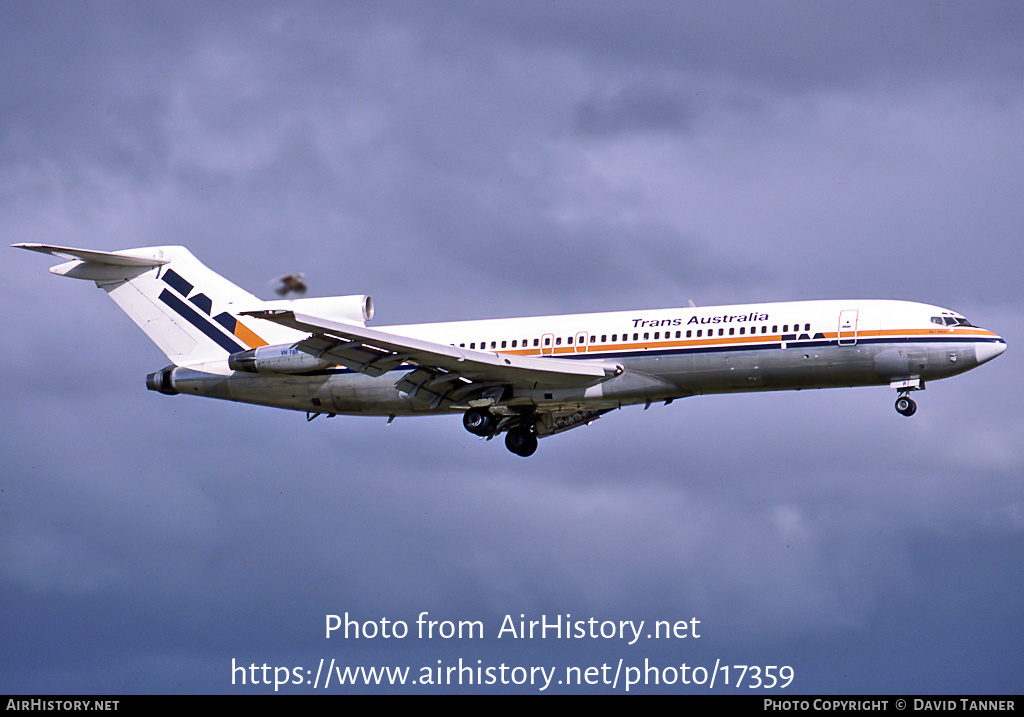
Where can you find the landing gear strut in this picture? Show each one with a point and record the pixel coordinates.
(905, 405)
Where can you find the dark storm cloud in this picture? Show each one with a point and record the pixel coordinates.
(633, 109)
(69, 92)
(794, 46)
(332, 131)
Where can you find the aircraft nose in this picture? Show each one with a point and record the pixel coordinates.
(989, 350)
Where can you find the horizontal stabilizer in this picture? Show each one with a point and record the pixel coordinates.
(187, 310)
(132, 257)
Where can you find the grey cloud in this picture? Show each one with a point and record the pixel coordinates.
(633, 109)
(794, 46)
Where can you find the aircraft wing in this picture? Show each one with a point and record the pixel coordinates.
(443, 373)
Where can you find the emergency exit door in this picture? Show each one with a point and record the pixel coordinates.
(848, 327)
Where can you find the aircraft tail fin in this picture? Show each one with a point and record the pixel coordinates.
(189, 311)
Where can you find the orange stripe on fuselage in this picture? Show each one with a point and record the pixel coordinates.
(742, 340)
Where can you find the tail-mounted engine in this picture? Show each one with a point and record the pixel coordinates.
(354, 309)
(283, 358)
(162, 381)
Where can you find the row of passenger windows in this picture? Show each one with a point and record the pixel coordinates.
(584, 338)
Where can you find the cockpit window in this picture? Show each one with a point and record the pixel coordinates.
(951, 321)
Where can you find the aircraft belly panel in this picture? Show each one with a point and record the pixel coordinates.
(774, 369)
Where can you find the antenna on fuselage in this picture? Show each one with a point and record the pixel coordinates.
(691, 304)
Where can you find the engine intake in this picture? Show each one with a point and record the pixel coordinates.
(354, 309)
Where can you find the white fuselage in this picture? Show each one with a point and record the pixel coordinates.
(526, 377)
(665, 354)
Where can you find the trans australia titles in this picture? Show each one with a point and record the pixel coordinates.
(723, 319)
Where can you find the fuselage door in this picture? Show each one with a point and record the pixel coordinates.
(547, 344)
(848, 327)
(582, 345)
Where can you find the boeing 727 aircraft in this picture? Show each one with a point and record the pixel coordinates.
(528, 378)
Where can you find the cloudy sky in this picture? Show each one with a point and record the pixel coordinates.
(480, 159)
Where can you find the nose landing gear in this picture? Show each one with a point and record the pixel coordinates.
(905, 405)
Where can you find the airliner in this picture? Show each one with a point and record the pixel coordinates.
(528, 378)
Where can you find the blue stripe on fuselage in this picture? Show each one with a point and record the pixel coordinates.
(656, 351)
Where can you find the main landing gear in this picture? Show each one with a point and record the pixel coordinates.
(479, 422)
(520, 439)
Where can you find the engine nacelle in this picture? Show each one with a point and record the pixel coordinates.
(354, 309)
(162, 381)
(282, 358)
